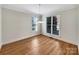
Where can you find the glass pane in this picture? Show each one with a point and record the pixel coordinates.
(48, 24)
(55, 27)
(34, 23)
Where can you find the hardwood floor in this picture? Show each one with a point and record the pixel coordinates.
(39, 45)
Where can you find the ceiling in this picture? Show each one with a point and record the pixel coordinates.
(34, 8)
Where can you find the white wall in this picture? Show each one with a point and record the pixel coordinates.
(0, 28)
(16, 26)
(67, 24)
(78, 26)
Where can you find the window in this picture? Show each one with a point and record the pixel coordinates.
(34, 23)
(53, 25)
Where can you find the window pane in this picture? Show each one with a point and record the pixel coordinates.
(34, 23)
(55, 25)
(48, 24)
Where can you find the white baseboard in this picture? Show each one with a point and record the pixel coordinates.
(62, 39)
(17, 39)
(78, 46)
(0, 45)
(68, 41)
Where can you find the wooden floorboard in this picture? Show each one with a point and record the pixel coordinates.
(39, 45)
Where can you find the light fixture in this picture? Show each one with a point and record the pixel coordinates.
(39, 8)
(40, 21)
(39, 13)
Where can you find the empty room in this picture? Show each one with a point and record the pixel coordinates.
(39, 29)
